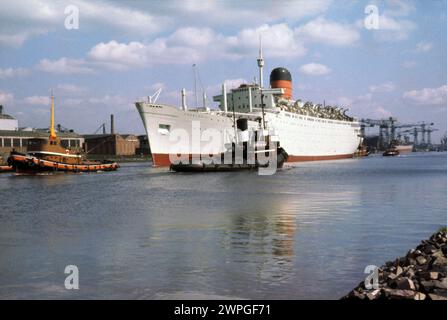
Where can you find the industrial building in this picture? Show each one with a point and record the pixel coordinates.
(144, 148)
(18, 139)
(13, 137)
(7, 122)
(112, 144)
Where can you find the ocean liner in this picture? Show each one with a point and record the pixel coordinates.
(306, 131)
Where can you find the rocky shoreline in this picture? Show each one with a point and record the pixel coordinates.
(420, 275)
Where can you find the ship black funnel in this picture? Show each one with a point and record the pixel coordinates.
(242, 124)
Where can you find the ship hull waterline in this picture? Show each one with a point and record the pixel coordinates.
(163, 160)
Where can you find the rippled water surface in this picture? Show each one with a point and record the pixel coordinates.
(146, 233)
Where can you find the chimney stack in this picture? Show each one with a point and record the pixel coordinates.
(112, 125)
(184, 107)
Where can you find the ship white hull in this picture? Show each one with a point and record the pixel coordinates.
(304, 138)
(405, 148)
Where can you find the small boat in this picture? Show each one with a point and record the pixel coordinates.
(391, 152)
(45, 155)
(362, 151)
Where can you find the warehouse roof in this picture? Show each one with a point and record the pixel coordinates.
(6, 116)
(36, 134)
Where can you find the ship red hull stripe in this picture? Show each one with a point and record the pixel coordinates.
(162, 159)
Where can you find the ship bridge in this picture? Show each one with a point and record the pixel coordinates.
(247, 97)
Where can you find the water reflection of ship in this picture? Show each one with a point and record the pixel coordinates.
(269, 240)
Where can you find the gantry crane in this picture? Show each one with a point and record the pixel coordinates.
(425, 130)
(388, 127)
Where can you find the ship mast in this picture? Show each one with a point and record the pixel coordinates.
(195, 84)
(52, 131)
(261, 64)
(261, 80)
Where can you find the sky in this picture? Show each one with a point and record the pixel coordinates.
(380, 61)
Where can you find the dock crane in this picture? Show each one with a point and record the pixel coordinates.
(388, 127)
(103, 127)
(425, 130)
(61, 128)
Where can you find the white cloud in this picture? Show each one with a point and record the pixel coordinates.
(6, 97)
(13, 72)
(314, 69)
(248, 12)
(120, 55)
(71, 88)
(383, 87)
(72, 102)
(23, 19)
(120, 17)
(409, 64)
(392, 29)
(363, 106)
(400, 7)
(328, 32)
(26, 18)
(64, 66)
(108, 100)
(423, 47)
(19, 20)
(427, 96)
(37, 100)
(158, 85)
(17, 39)
(278, 40)
(381, 112)
(190, 45)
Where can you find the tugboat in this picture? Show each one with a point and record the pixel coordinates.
(4, 167)
(46, 155)
(239, 154)
(362, 151)
(391, 151)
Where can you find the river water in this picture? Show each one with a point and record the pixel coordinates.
(307, 232)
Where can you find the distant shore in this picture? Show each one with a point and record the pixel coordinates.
(420, 275)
